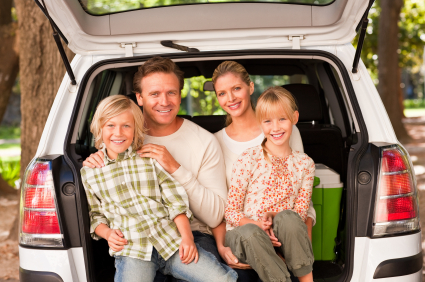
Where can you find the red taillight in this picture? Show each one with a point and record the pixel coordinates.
(392, 161)
(39, 198)
(397, 184)
(397, 203)
(38, 175)
(396, 209)
(39, 219)
(40, 222)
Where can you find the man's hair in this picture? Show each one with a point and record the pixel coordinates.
(111, 107)
(154, 65)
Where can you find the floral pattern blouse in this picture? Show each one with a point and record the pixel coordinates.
(258, 186)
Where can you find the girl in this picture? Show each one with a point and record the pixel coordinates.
(234, 89)
(269, 196)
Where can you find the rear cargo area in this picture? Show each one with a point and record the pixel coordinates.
(325, 125)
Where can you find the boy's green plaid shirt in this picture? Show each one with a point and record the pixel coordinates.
(137, 196)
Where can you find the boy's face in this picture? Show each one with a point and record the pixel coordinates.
(118, 134)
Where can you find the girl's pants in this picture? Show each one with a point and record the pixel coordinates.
(251, 245)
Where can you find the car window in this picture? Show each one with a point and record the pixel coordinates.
(204, 103)
(103, 7)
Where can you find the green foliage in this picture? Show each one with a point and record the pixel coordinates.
(411, 35)
(101, 7)
(414, 104)
(204, 102)
(9, 171)
(9, 132)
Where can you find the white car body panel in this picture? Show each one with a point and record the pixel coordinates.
(210, 27)
(369, 253)
(68, 264)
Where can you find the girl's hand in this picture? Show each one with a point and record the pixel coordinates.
(232, 261)
(116, 240)
(267, 222)
(188, 251)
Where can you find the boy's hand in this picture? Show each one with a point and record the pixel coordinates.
(231, 260)
(94, 160)
(116, 240)
(188, 251)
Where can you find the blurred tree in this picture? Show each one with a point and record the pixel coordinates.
(406, 45)
(41, 72)
(9, 59)
(9, 66)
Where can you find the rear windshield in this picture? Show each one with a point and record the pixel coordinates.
(103, 7)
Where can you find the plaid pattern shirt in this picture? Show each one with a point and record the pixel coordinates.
(137, 196)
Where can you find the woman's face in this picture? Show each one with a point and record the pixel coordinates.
(233, 94)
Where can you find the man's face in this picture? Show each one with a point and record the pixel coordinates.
(160, 98)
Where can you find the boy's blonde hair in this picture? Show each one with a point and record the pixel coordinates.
(272, 103)
(111, 107)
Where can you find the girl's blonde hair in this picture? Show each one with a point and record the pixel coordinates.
(235, 68)
(111, 107)
(272, 103)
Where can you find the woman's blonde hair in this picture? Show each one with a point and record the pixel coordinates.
(235, 68)
(272, 103)
(111, 107)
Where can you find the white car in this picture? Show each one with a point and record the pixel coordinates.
(367, 203)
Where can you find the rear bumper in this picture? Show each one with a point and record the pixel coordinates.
(67, 265)
(36, 276)
(388, 259)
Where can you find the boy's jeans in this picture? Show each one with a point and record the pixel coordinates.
(206, 269)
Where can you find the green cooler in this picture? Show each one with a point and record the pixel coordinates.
(326, 201)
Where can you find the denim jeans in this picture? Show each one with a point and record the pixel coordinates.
(206, 269)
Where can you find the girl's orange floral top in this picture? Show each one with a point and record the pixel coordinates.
(258, 186)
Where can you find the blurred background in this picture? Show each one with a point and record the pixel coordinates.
(31, 71)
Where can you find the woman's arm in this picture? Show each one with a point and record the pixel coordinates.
(225, 252)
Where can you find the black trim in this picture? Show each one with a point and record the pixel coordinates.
(56, 27)
(212, 3)
(37, 276)
(354, 158)
(399, 267)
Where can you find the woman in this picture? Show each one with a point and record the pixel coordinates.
(234, 88)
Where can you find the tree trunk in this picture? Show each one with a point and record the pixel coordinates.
(388, 69)
(9, 59)
(41, 72)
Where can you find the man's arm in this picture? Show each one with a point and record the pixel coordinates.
(207, 191)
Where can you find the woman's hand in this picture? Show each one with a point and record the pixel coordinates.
(116, 240)
(232, 261)
(188, 251)
(94, 160)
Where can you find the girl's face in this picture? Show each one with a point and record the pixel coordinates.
(118, 134)
(278, 129)
(233, 94)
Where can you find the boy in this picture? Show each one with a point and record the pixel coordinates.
(138, 207)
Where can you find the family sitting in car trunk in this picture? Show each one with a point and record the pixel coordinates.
(173, 199)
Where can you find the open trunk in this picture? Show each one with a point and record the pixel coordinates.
(318, 81)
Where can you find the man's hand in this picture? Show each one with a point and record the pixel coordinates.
(188, 251)
(94, 160)
(232, 261)
(115, 239)
(161, 154)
